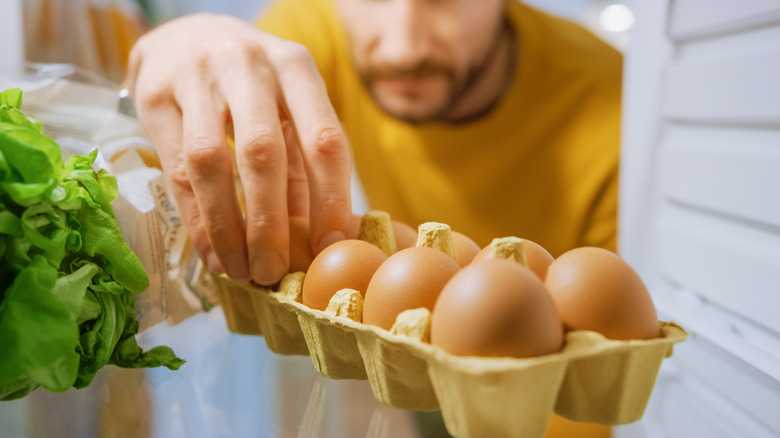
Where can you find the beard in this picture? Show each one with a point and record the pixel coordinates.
(421, 107)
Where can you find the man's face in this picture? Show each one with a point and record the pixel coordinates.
(419, 57)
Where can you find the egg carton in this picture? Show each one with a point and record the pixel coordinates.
(592, 379)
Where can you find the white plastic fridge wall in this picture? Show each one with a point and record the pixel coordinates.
(700, 209)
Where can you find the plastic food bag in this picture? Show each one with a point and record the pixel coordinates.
(81, 111)
(96, 35)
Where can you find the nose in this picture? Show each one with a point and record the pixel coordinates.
(405, 38)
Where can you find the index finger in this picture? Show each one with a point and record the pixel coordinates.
(323, 145)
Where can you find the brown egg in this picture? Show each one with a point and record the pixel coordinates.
(409, 279)
(496, 308)
(595, 289)
(465, 248)
(405, 235)
(300, 247)
(346, 264)
(538, 258)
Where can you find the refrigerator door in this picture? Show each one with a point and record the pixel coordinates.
(700, 209)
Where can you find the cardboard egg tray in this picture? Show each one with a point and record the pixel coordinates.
(592, 379)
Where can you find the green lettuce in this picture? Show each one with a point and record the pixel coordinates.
(68, 280)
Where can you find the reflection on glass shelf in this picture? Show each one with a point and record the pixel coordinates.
(231, 386)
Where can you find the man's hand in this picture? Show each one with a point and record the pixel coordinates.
(193, 76)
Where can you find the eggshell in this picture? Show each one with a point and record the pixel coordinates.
(300, 247)
(594, 289)
(496, 308)
(409, 279)
(465, 248)
(348, 264)
(405, 235)
(538, 258)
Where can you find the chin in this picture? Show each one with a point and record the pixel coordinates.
(411, 110)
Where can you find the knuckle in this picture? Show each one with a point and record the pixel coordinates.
(294, 55)
(243, 55)
(193, 220)
(142, 45)
(195, 224)
(264, 222)
(262, 149)
(325, 204)
(153, 96)
(329, 143)
(204, 155)
(333, 202)
(198, 61)
(178, 176)
(241, 51)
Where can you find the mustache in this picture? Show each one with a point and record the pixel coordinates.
(420, 69)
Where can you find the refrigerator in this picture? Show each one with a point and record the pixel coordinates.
(699, 220)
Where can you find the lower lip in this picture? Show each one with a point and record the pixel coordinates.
(406, 86)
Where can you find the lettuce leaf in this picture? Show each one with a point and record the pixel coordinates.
(38, 337)
(67, 277)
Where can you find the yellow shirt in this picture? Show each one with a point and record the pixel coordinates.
(543, 165)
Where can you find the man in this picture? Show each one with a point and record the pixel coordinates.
(490, 116)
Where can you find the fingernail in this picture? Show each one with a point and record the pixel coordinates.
(213, 264)
(331, 238)
(237, 268)
(267, 268)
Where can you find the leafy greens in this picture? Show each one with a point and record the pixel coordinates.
(68, 280)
